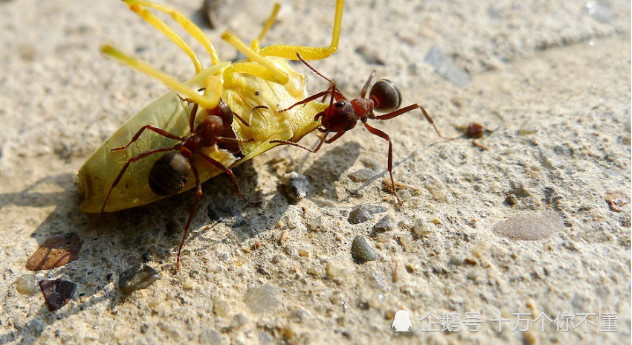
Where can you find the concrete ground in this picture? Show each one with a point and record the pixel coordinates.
(549, 80)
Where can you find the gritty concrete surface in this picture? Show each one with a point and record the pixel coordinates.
(550, 80)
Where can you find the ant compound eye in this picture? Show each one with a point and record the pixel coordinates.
(385, 95)
(339, 104)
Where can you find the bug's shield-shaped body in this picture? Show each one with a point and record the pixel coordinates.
(242, 93)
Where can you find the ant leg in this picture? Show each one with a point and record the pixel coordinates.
(184, 22)
(320, 143)
(192, 118)
(310, 53)
(385, 136)
(333, 92)
(235, 140)
(306, 100)
(407, 109)
(256, 43)
(230, 173)
(367, 84)
(315, 71)
(196, 201)
(193, 111)
(131, 160)
(151, 128)
(336, 136)
(208, 101)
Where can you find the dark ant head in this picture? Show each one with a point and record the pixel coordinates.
(385, 95)
(169, 174)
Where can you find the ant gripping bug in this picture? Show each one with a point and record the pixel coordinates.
(264, 79)
(169, 173)
(344, 114)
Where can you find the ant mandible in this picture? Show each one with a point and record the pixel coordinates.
(344, 114)
(169, 173)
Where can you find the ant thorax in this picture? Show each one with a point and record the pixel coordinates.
(363, 107)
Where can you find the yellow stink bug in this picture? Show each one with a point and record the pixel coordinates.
(223, 116)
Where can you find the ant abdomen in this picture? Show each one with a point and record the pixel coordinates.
(385, 95)
(169, 174)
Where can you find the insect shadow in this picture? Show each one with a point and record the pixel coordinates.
(329, 168)
(111, 243)
(123, 237)
(65, 218)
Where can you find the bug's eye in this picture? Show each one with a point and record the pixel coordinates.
(385, 95)
(339, 104)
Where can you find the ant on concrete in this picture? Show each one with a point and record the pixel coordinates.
(169, 174)
(344, 114)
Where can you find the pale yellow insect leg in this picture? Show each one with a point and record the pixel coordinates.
(309, 53)
(268, 72)
(167, 31)
(256, 43)
(208, 101)
(186, 24)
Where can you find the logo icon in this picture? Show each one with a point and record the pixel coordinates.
(401, 322)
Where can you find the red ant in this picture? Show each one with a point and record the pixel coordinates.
(343, 115)
(169, 174)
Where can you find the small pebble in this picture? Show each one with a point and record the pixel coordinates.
(238, 321)
(299, 315)
(617, 200)
(55, 252)
(146, 257)
(210, 336)
(386, 223)
(511, 199)
(27, 284)
(362, 175)
(421, 229)
(221, 308)
(600, 11)
(137, 277)
(57, 292)
(188, 284)
(361, 251)
(296, 185)
(337, 270)
(363, 213)
(315, 223)
(262, 298)
(406, 242)
(530, 226)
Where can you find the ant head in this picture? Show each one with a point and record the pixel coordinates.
(385, 95)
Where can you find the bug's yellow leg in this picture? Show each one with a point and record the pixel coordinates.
(309, 53)
(268, 72)
(208, 101)
(256, 43)
(186, 24)
(167, 31)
